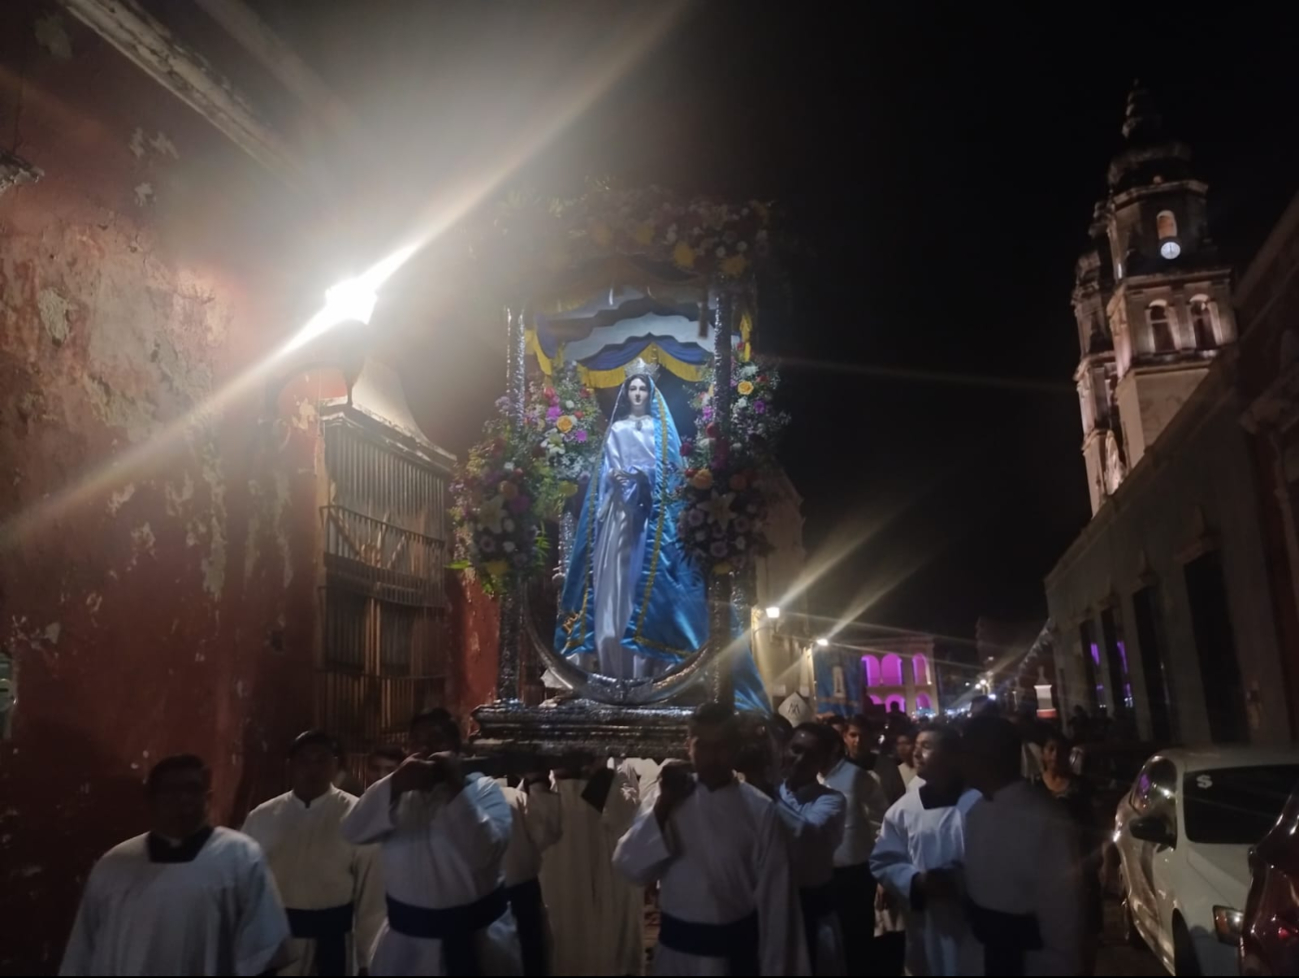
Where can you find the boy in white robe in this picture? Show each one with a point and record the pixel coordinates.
(331, 889)
(720, 855)
(596, 916)
(1026, 897)
(814, 815)
(854, 883)
(443, 837)
(184, 898)
(536, 826)
(920, 852)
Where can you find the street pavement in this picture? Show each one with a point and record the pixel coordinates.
(1116, 956)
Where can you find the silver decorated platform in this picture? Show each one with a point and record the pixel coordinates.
(557, 728)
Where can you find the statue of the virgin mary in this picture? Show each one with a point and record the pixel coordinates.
(632, 604)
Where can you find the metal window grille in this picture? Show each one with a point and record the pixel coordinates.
(383, 641)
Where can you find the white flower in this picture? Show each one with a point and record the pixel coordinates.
(743, 246)
(721, 251)
(569, 404)
(762, 234)
(736, 446)
(508, 546)
(742, 403)
(670, 237)
(508, 466)
(507, 525)
(749, 370)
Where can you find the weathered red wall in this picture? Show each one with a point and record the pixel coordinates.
(475, 631)
(166, 604)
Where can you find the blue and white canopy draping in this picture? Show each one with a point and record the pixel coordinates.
(620, 313)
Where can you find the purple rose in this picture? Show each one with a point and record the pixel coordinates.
(552, 413)
(579, 435)
(759, 407)
(708, 414)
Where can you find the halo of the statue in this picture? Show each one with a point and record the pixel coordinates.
(619, 692)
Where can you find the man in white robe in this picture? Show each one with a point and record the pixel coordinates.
(814, 815)
(596, 916)
(184, 898)
(854, 883)
(720, 855)
(920, 852)
(443, 837)
(1026, 897)
(536, 826)
(331, 889)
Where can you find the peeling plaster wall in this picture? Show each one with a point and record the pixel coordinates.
(167, 604)
(475, 635)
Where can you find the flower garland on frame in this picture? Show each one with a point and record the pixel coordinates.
(564, 421)
(723, 521)
(496, 510)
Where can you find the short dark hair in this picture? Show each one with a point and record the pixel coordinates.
(716, 715)
(390, 752)
(1059, 737)
(949, 738)
(859, 720)
(825, 737)
(441, 718)
(996, 739)
(316, 738)
(836, 721)
(781, 726)
(176, 764)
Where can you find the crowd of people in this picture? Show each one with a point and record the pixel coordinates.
(826, 848)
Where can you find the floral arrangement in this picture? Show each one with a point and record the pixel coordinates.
(566, 424)
(723, 522)
(496, 512)
(702, 235)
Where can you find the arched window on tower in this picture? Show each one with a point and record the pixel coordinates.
(920, 669)
(1202, 320)
(1165, 225)
(891, 670)
(1161, 327)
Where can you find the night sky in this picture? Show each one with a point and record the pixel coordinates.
(940, 168)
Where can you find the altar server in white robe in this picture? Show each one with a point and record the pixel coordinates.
(1026, 899)
(596, 915)
(920, 854)
(814, 815)
(720, 855)
(330, 888)
(443, 837)
(854, 883)
(536, 826)
(184, 898)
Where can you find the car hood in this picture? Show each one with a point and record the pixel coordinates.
(1225, 869)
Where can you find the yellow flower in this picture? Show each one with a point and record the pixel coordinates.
(565, 424)
(703, 480)
(745, 388)
(734, 266)
(496, 568)
(739, 483)
(683, 255)
(644, 234)
(567, 489)
(508, 489)
(722, 569)
(601, 234)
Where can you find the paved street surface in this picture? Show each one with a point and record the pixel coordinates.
(1116, 957)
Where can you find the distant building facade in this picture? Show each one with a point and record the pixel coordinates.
(1162, 607)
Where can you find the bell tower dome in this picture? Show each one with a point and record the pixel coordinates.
(1165, 293)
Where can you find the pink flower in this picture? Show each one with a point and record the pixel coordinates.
(760, 407)
(553, 413)
(579, 435)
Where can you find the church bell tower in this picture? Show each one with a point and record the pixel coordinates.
(1151, 298)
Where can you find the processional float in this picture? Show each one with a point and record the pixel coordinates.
(611, 284)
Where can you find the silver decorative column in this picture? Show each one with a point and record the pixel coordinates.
(511, 631)
(720, 632)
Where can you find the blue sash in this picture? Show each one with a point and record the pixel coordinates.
(816, 902)
(736, 942)
(530, 918)
(1006, 938)
(329, 929)
(455, 927)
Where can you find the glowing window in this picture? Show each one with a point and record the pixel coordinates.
(1202, 321)
(1166, 225)
(920, 669)
(891, 668)
(871, 669)
(895, 700)
(1161, 328)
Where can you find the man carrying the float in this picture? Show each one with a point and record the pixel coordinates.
(443, 837)
(720, 855)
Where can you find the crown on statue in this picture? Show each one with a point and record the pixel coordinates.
(641, 366)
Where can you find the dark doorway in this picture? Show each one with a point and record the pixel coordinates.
(1150, 639)
(1215, 643)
